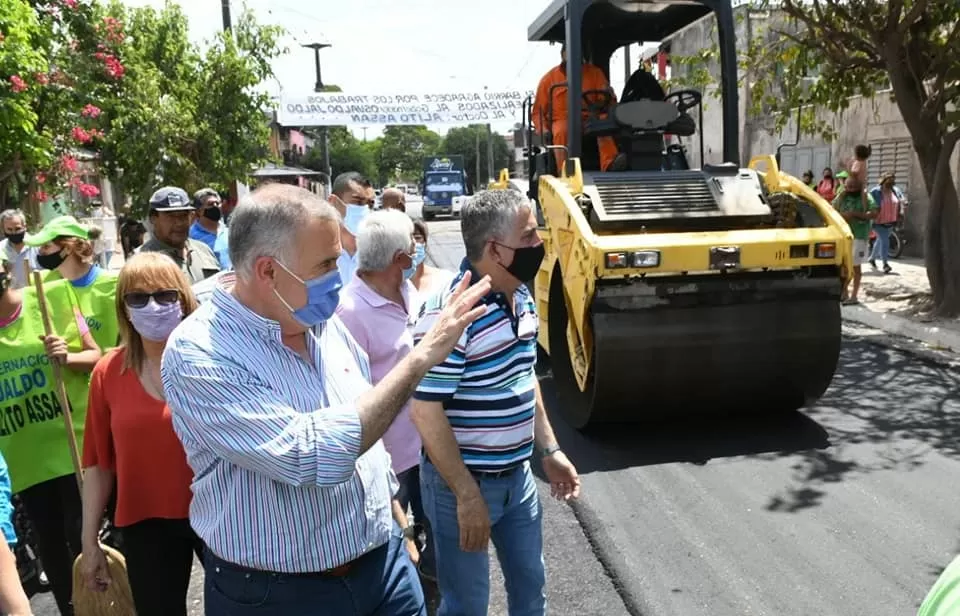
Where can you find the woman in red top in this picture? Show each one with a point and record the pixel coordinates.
(827, 187)
(129, 438)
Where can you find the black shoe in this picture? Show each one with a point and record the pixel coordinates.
(886, 268)
(873, 264)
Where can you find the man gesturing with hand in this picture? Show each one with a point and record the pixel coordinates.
(480, 414)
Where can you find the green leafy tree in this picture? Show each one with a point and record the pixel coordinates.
(465, 142)
(852, 48)
(188, 116)
(402, 149)
(347, 153)
(59, 60)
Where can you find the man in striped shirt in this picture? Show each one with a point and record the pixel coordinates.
(271, 398)
(479, 414)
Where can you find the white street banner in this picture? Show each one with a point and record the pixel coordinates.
(344, 109)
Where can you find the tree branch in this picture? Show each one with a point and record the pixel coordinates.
(829, 31)
(915, 12)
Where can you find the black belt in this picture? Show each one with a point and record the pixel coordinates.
(336, 572)
(486, 474)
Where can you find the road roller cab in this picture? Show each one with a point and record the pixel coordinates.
(667, 289)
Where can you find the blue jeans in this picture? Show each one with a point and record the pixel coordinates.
(881, 246)
(517, 535)
(409, 495)
(382, 582)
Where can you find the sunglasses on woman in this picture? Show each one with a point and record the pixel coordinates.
(164, 298)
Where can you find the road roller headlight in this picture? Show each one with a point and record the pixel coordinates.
(616, 260)
(825, 250)
(645, 258)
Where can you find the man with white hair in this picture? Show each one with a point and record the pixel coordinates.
(22, 258)
(271, 398)
(479, 414)
(376, 307)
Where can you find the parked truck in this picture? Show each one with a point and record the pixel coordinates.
(444, 179)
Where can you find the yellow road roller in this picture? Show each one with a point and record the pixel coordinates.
(669, 290)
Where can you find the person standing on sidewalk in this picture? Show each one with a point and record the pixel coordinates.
(850, 204)
(479, 414)
(890, 199)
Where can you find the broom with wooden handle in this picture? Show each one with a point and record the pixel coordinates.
(116, 599)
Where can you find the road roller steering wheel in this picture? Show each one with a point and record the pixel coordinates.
(598, 101)
(685, 99)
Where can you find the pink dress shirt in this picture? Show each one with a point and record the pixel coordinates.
(382, 328)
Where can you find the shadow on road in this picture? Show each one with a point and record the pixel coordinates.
(884, 410)
(615, 446)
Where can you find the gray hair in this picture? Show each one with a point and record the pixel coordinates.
(266, 221)
(11, 214)
(489, 215)
(202, 195)
(342, 182)
(381, 236)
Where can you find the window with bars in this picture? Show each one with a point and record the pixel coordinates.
(892, 155)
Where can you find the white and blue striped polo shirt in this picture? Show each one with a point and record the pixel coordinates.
(487, 384)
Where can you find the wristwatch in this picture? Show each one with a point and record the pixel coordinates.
(549, 451)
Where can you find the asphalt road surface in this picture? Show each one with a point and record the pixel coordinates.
(847, 508)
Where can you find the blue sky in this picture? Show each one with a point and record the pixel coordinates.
(400, 45)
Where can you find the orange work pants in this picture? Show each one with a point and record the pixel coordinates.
(606, 145)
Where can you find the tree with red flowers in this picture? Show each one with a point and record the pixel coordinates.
(58, 61)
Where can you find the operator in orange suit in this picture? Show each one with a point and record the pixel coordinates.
(592, 79)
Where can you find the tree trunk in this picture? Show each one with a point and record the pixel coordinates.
(942, 236)
(934, 147)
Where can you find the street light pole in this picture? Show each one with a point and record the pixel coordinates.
(225, 11)
(318, 87)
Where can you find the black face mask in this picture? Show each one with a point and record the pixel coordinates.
(15, 238)
(526, 262)
(51, 261)
(212, 213)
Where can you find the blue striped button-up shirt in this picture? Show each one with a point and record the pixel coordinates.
(274, 441)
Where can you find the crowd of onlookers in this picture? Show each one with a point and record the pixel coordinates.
(872, 213)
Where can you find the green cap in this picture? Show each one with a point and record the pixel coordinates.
(843, 174)
(61, 226)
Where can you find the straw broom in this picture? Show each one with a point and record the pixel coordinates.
(116, 599)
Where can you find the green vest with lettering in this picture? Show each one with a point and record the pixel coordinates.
(33, 436)
(98, 303)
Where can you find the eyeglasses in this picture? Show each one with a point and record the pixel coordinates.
(164, 298)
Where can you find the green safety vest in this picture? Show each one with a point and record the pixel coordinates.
(98, 304)
(32, 433)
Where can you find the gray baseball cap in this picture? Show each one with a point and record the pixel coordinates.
(171, 199)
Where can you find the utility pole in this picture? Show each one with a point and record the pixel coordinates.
(364, 134)
(318, 87)
(490, 151)
(225, 10)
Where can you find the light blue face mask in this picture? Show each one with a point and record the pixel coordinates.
(355, 214)
(418, 256)
(323, 296)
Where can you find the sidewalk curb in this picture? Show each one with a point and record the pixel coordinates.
(938, 340)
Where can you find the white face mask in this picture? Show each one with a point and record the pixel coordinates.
(354, 214)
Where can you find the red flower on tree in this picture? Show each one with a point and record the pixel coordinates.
(88, 190)
(17, 84)
(90, 111)
(71, 3)
(40, 195)
(80, 134)
(69, 163)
